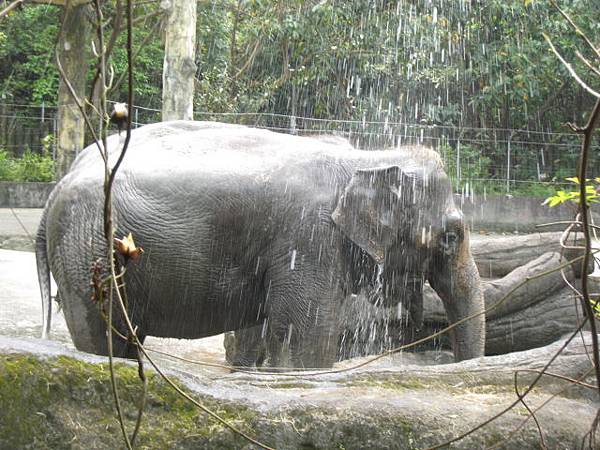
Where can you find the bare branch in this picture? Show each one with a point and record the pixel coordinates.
(249, 61)
(147, 38)
(113, 38)
(587, 132)
(548, 400)
(10, 7)
(516, 402)
(578, 30)
(586, 61)
(531, 413)
(568, 66)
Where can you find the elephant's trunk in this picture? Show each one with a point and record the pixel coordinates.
(466, 303)
(456, 280)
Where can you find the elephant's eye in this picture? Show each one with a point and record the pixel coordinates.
(450, 240)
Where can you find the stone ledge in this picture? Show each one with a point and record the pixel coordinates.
(59, 394)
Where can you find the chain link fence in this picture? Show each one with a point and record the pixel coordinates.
(495, 160)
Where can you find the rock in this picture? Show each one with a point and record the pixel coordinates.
(59, 398)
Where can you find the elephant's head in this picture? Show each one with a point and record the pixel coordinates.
(395, 214)
(405, 219)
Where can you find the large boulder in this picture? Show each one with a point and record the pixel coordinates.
(59, 398)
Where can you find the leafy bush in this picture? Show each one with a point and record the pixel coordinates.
(30, 167)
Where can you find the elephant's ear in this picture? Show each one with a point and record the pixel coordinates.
(366, 208)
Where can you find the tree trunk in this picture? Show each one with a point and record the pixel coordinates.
(72, 51)
(179, 67)
(497, 256)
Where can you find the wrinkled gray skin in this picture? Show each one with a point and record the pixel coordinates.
(244, 227)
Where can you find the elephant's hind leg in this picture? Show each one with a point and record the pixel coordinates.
(87, 326)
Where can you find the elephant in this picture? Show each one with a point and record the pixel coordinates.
(245, 227)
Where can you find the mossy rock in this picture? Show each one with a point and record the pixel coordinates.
(56, 402)
(66, 403)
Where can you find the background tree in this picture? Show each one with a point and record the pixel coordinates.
(72, 55)
(179, 65)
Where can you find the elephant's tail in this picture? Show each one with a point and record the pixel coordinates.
(43, 270)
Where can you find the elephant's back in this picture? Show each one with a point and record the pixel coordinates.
(209, 148)
(169, 151)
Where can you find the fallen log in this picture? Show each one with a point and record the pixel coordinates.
(540, 324)
(498, 255)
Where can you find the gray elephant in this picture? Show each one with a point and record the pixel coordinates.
(245, 227)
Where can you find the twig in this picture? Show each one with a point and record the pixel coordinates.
(552, 397)
(562, 377)
(531, 413)
(587, 132)
(108, 232)
(315, 372)
(249, 61)
(585, 61)
(565, 222)
(145, 17)
(591, 433)
(207, 410)
(145, 41)
(111, 42)
(142, 404)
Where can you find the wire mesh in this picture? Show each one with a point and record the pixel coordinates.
(482, 159)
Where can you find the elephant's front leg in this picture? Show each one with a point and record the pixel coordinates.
(246, 347)
(302, 318)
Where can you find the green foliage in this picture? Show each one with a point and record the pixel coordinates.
(29, 167)
(469, 66)
(592, 188)
(379, 59)
(596, 308)
(28, 73)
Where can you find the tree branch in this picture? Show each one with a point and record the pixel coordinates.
(570, 69)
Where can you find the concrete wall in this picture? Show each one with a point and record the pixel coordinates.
(503, 213)
(521, 214)
(24, 195)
